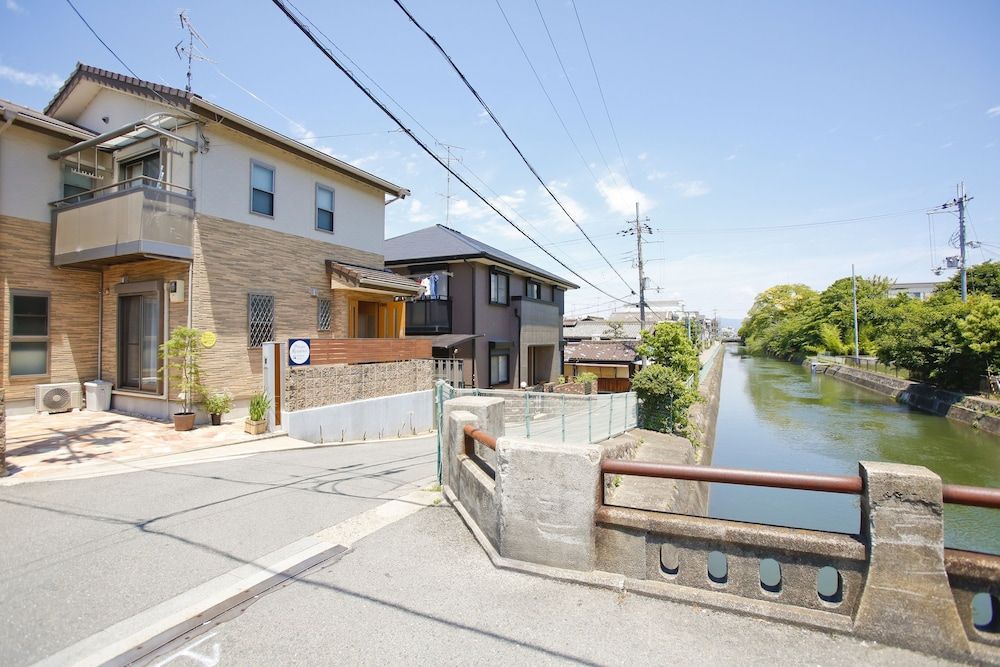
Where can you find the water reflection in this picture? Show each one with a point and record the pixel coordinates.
(779, 416)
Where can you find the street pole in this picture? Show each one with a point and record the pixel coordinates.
(642, 275)
(961, 240)
(854, 290)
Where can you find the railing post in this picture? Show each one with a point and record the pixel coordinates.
(440, 406)
(611, 413)
(590, 419)
(626, 412)
(563, 409)
(527, 413)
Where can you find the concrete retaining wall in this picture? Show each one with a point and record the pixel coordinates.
(976, 412)
(372, 419)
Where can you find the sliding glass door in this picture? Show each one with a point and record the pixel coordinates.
(138, 342)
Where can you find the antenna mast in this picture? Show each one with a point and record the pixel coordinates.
(447, 191)
(189, 50)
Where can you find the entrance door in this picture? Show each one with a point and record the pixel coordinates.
(138, 342)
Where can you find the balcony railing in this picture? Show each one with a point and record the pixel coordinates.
(124, 221)
(429, 315)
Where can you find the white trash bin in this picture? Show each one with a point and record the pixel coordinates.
(98, 395)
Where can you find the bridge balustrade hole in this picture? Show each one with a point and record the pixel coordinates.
(986, 613)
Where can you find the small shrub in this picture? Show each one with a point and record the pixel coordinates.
(585, 378)
(218, 403)
(260, 403)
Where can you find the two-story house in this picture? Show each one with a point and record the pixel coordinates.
(128, 208)
(501, 315)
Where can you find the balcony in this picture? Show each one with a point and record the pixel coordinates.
(123, 222)
(428, 316)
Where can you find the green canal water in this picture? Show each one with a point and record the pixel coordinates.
(776, 415)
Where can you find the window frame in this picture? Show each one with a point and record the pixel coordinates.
(274, 186)
(319, 314)
(499, 351)
(528, 284)
(506, 277)
(31, 338)
(250, 295)
(317, 209)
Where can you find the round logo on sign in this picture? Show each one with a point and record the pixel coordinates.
(208, 339)
(298, 352)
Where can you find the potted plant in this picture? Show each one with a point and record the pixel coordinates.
(217, 404)
(182, 361)
(256, 423)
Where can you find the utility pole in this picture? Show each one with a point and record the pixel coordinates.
(959, 262)
(854, 290)
(637, 227)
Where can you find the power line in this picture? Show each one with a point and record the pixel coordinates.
(552, 104)
(406, 112)
(600, 88)
(503, 130)
(377, 102)
(577, 97)
(141, 81)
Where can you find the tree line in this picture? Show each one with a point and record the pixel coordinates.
(940, 340)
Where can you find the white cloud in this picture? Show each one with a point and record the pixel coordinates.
(309, 138)
(731, 157)
(691, 188)
(418, 214)
(47, 81)
(947, 144)
(993, 112)
(658, 175)
(642, 156)
(621, 198)
(14, 7)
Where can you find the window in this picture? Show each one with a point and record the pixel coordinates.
(145, 167)
(499, 365)
(139, 338)
(29, 333)
(260, 319)
(323, 314)
(261, 189)
(324, 208)
(532, 290)
(499, 287)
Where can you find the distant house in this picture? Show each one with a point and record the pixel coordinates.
(921, 291)
(129, 208)
(596, 328)
(499, 315)
(614, 362)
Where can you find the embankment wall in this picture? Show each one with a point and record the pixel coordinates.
(976, 412)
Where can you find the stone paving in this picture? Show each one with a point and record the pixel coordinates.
(53, 446)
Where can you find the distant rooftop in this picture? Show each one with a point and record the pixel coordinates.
(444, 244)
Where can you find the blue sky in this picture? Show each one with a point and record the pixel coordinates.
(729, 115)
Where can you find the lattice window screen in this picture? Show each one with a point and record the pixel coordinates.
(260, 319)
(324, 314)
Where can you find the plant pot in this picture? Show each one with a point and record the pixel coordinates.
(183, 421)
(216, 419)
(255, 427)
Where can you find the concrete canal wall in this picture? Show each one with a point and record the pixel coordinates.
(976, 412)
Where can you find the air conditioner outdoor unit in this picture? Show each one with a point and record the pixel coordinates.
(61, 397)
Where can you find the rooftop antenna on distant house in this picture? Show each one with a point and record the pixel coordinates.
(447, 192)
(189, 50)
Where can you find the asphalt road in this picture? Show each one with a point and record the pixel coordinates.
(422, 591)
(78, 556)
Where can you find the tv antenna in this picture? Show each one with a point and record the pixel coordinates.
(449, 156)
(189, 51)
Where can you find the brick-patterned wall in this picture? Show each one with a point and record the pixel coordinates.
(25, 263)
(232, 259)
(315, 386)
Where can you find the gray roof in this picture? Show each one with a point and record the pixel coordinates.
(40, 120)
(587, 330)
(601, 351)
(363, 276)
(440, 243)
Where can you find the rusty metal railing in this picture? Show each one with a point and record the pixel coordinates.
(852, 484)
(475, 434)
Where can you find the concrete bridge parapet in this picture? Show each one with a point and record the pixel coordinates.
(539, 508)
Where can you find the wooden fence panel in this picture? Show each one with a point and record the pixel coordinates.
(367, 350)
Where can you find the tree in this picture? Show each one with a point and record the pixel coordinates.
(771, 307)
(667, 344)
(615, 329)
(181, 359)
(980, 279)
(665, 394)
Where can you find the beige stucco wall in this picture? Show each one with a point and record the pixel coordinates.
(29, 180)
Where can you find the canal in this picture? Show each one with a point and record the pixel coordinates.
(779, 416)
